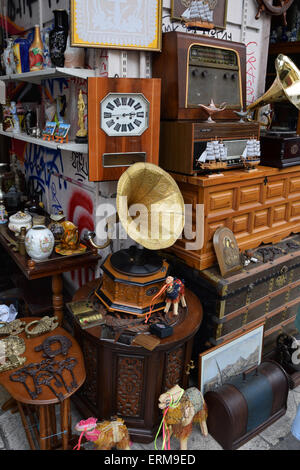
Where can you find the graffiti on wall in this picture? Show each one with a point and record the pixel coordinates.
(251, 71)
(40, 165)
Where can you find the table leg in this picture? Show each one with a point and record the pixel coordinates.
(53, 424)
(25, 425)
(64, 419)
(45, 428)
(58, 301)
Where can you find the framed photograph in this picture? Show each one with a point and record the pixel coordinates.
(211, 13)
(118, 24)
(219, 364)
(62, 130)
(50, 128)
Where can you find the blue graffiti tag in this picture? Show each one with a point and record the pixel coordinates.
(40, 164)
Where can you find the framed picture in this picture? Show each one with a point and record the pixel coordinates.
(50, 128)
(62, 130)
(219, 364)
(210, 13)
(118, 24)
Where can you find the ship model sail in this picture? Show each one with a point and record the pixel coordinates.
(198, 11)
(215, 157)
(251, 154)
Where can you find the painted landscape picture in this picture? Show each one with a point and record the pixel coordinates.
(224, 362)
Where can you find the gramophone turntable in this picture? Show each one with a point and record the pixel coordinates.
(132, 278)
(280, 146)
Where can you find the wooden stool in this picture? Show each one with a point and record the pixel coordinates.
(42, 409)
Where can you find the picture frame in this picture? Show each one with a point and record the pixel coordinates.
(227, 251)
(117, 24)
(49, 130)
(184, 11)
(61, 133)
(233, 357)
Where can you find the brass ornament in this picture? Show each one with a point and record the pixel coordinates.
(148, 185)
(12, 328)
(39, 327)
(13, 348)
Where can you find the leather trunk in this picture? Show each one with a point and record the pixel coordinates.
(268, 291)
(244, 406)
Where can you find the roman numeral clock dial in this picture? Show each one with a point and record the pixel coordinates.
(124, 114)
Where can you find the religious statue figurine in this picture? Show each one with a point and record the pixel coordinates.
(81, 136)
(15, 118)
(3, 215)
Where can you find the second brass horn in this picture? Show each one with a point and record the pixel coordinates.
(286, 86)
(150, 206)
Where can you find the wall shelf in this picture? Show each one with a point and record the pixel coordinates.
(68, 146)
(50, 73)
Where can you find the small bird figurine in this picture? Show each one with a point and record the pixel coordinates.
(212, 109)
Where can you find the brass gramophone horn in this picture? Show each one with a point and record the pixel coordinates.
(286, 86)
(150, 206)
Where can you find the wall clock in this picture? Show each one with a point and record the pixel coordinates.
(124, 114)
(124, 124)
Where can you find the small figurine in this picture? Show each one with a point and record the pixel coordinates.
(3, 215)
(181, 409)
(81, 136)
(105, 435)
(15, 118)
(174, 294)
(212, 109)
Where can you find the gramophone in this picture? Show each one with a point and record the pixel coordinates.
(280, 146)
(151, 209)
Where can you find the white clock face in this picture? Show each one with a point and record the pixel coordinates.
(124, 114)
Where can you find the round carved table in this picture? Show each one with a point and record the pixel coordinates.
(125, 379)
(44, 431)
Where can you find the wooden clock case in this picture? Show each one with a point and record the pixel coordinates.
(110, 156)
(171, 65)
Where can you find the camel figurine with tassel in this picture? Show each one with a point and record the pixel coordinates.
(174, 294)
(105, 435)
(182, 408)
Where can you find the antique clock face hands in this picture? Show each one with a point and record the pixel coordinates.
(124, 114)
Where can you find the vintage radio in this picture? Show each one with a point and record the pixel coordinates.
(183, 142)
(123, 124)
(196, 69)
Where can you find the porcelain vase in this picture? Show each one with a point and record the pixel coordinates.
(58, 38)
(8, 57)
(39, 243)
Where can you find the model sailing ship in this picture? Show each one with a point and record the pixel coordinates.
(215, 157)
(201, 10)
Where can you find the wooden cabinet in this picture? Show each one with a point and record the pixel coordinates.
(259, 207)
(127, 380)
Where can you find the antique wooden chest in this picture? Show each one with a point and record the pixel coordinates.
(268, 290)
(247, 404)
(262, 206)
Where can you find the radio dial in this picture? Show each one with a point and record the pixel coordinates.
(204, 74)
(226, 76)
(196, 73)
(234, 76)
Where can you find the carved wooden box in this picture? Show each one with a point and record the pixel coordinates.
(262, 206)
